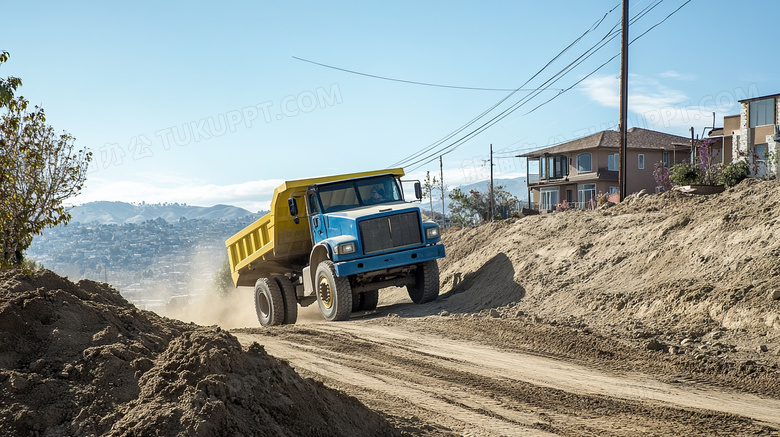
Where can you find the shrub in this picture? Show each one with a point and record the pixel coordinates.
(734, 173)
(563, 206)
(685, 174)
(661, 176)
(710, 170)
(603, 198)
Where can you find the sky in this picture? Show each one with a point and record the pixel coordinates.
(210, 103)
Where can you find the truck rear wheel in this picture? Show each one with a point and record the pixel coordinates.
(369, 300)
(269, 302)
(365, 301)
(334, 294)
(426, 283)
(289, 298)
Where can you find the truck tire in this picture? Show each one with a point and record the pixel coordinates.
(269, 303)
(334, 294)
(289, 298)
(369, 300)
(357, 298)
(426, 283)
(365, 301)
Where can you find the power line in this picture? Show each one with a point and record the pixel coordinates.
(639, 15)
(610, 59)
(559, 75)
(598, 68)
(518, 104)
(612, 34)
(406, 160)
(409, 81)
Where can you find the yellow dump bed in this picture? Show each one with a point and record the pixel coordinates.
(274, 244)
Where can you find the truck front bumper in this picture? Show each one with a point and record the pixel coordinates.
(390, 260)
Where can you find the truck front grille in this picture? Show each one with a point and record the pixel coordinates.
(390, 232)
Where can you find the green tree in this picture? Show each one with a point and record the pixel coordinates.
(39, 169)
(470, 208)
(428, 186)
(685, 174)
(8, 85)
(734, 173)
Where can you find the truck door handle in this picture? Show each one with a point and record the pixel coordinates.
(316, 222)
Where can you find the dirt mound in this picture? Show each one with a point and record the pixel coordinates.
(670, 266)
(79, 360)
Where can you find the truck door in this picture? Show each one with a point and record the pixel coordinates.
(316, 222)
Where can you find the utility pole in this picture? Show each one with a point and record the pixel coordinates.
(441, 181)
(693, 148)
(492, 200)
(622, 156)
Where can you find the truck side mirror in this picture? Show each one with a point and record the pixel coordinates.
(293, 205)
(417, 190)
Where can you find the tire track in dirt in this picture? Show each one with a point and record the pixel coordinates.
(466, 409)
(473, 389)
(548, 372)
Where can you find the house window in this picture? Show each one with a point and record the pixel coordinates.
(762, 112)
(613, 190)
(612, 161)
(549, 198)
(560, 168)
(641, 161)
(666, 159)
(585, 193)
(584, 163)
(556, 167)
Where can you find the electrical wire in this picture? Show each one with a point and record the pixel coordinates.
(409, 158)
(609, 60)
(409, 81)
(560, 74)
(513, 107)
(593, 72)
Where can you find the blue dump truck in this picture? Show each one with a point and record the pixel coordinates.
(336, 240)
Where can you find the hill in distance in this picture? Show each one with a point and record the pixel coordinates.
(517, 186)
(106, 212)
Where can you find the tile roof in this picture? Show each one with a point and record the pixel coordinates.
(638, 138)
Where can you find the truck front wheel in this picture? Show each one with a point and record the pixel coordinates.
(269, 303)
(426, 283)
(334, 294)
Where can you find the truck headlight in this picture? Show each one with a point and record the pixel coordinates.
(346, 248)
(432, 233)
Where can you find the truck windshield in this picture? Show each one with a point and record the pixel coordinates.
(350, 194)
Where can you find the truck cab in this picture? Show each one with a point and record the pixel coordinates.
(344, 238)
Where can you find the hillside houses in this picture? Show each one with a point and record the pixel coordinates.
(578, 170)
(148, 261)
(575, 172)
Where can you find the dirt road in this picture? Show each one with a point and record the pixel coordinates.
(440, 383)
(657, 316)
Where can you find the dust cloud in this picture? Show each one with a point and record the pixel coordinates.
(236, 310)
